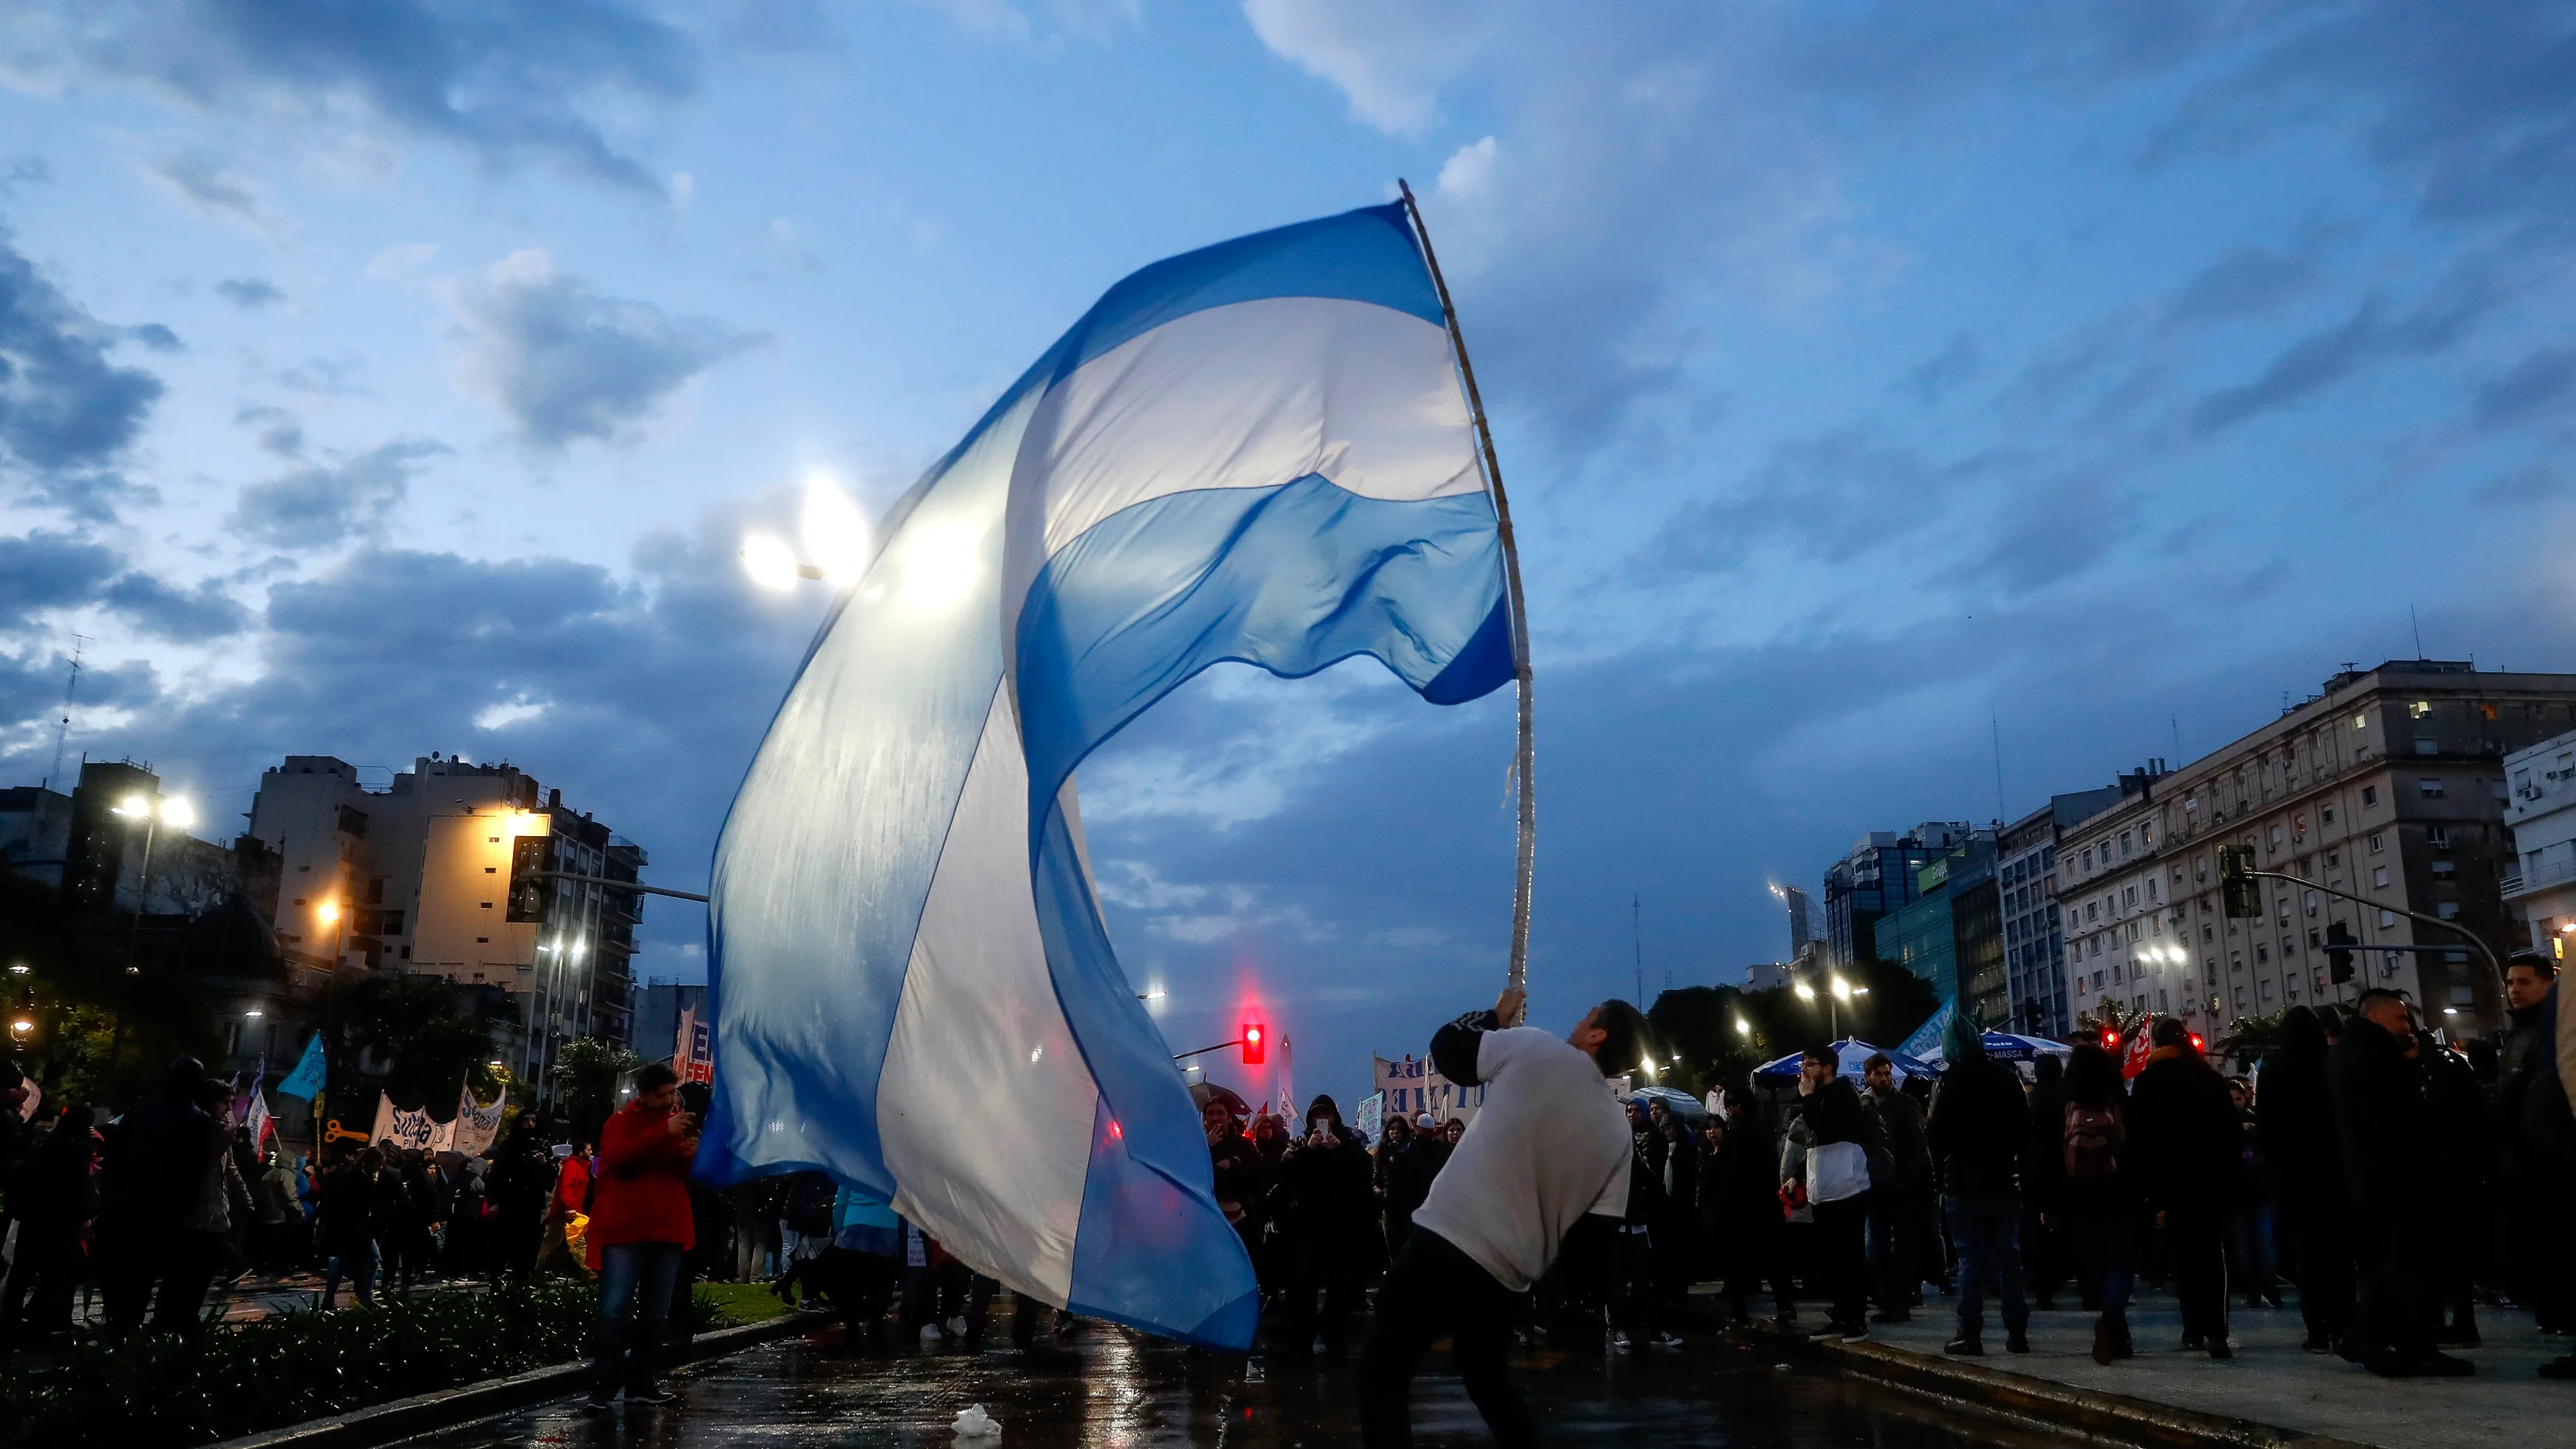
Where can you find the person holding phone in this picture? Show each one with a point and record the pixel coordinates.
(641, 1223)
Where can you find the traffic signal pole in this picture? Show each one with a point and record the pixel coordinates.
(2472, 937)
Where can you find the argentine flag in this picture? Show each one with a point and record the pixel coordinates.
(1256, 452)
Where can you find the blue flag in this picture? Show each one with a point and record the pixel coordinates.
(1259, 452)
(306, 1079)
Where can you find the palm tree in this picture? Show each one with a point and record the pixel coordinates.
(585, 1077)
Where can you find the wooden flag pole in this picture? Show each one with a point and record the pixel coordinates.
(1526, 757)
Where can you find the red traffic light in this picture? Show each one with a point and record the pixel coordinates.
(1256, 1043)
(2110, 1040)
(2197, 1043)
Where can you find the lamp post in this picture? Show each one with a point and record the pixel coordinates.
(179, 815)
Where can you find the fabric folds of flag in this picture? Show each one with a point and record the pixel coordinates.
(1258, 452)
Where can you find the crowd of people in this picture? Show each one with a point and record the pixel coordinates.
(2399, 1182)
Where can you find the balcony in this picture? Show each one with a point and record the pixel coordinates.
(2549, 874)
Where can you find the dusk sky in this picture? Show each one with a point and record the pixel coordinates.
(1871, 381)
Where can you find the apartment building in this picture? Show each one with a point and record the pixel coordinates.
(415, 876)
(2540, 888)
(2390, 784)
(2034, 939)
(1878, 877)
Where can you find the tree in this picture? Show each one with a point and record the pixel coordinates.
(2254, 1038)
(1700, 1024)
(412, 1036)
(585, 1077)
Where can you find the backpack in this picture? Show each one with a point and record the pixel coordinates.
(2092, 1143)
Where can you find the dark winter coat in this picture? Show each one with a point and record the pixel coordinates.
(2186, 1142)
(1978, 1127)
(2381, 1119)
(1909, 1147)
(2294, 1115)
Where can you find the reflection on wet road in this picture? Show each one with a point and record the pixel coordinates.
(1122, 1391)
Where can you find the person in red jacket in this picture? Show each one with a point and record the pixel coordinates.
(639, 1222)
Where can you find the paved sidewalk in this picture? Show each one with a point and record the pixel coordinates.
(2273, 1381)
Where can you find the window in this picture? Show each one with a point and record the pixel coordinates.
(2276, 837)
(2097, 945)
(2240, 998)
(2200, 867)
(2429, 787)
(2310, 902)
(2151, 889)
(2235, 962)
(495, 840)
(2376, 843)
(2266, 990)
(2359, 722)
(2369, 796)
(2333, 858)
(2496, 788)
(2379, 878)
(2442, 870)
(2124, 844)
(2130, 896)
(2448, 910)
(2427, 746)
(2133, 930)
(2419, 709)
(2208, 933)
(491, 870)
(2387, 919)
(2262, 952)
(2092, 910)
(2327, 815)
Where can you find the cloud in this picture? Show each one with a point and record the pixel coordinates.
(2244, 282)
(185, 616)
(216, 190)
(2375, 331)
(67, 411)
(1389, 61)
(1469, 170)
(1048, 22)
(507, 82)
(249, 293)
(41, 571)
(2532, 390)
(322, 507)
(1931, 380)
(562, 362)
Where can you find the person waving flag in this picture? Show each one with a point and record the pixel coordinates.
(1260, 452)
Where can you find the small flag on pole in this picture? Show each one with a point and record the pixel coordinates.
(306, 1080)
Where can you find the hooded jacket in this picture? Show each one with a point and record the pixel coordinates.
(1978, 1126)
(2381, 1117)
(2293, 1108)
(2186, 1143)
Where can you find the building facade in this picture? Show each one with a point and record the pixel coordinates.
(2034, 940)
(1879, 876)
(415, 878)
(2388, 784)
(1950, 935)
(2540, 887)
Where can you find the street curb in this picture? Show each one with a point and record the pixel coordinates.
(420, 1414)
(2061, 1407)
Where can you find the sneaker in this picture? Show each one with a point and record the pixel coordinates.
(1620, 1341)
(957, 1327)
(2221, 1350)
(1964, 1348)
(929, 1335)
(1666, 1339)
(1829, 1329)
(1856, 1333)
(2017, 1343)
(653, 1396)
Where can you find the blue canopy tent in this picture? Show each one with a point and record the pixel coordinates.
(1849, 1053)
(2004, 1046)
(1673, 1097)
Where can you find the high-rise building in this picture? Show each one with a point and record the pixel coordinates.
(415, 877)
(2540, 887)
(1950, 935)
(2026, 890)
(2389, 785)
(1876, 878)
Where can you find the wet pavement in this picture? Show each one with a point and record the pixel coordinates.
(1125, 1391)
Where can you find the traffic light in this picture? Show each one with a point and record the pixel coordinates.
(1256, 1043)
(2199, 1043)
(529, 896)
(2111, 1040)
(2236, 883)
(2339, 944)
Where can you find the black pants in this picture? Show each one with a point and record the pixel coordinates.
(2043, 1250)
(2322, 1243)
(1434, 1289)
(2396, 1314)
(2196, 1242)
(1328, 1266)
(1842, 1256)
(1895, 1247)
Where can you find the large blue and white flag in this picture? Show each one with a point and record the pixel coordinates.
(1257, 452)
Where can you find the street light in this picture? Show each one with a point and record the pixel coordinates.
(1743, 1027)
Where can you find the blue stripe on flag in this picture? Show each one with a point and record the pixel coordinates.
(1293, 579)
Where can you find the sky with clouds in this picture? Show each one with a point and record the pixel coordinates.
(1875, 382)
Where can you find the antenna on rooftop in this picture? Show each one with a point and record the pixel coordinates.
(62, 732)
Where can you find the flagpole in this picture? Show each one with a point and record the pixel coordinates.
(1525, 758)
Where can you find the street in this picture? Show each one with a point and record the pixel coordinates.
(1119, 1389)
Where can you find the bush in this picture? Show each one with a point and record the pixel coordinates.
(155, 1391)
